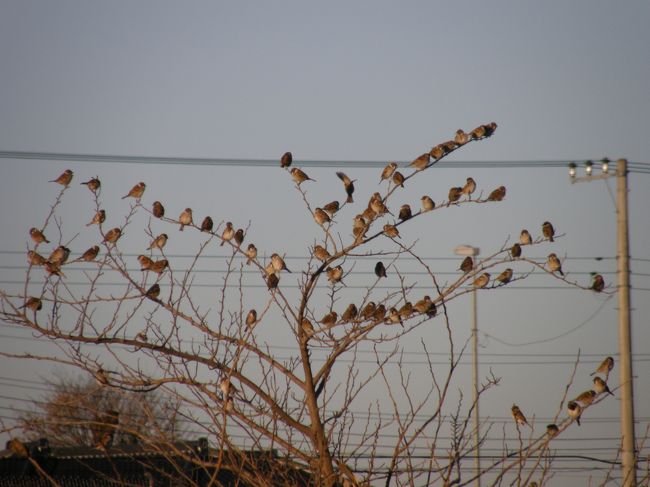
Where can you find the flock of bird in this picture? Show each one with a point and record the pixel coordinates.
(576, 406)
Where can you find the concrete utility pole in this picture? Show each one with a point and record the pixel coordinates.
(473, 252)
(628, 442)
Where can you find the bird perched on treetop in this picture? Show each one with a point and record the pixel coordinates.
(93, 184)
(299, 176)
(286, 160)
(518, 416)
(605, 367)
(388, 171)
(136, 191)
(185, 218)
(37, 236)
(548, 231)
(348, 184)
(467, 264)
(64, 179)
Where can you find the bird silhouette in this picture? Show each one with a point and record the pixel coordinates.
(158, 209)
(467, 264)
(239, 237)
(380, 270)
(518, 416)
(598, 284)
(153, 292)
(348, 184)
(272, 281)
(552, 430)
(286, 160)
(405, 212)
(515, 251)
(207, 224)
(454, 194)
(380, 313)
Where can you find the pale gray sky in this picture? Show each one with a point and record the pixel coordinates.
(349, 81)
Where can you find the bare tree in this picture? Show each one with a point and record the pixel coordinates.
(79, 412)
(317, 403)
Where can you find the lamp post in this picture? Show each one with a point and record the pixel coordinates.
(628, 453)
(468, 250)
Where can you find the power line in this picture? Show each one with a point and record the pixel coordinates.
(206, 161)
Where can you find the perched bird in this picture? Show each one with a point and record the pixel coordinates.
(17, 448)
(482, 280)
(329, 319)
(405, 212)
(406, 310)
(145, 262)
(575, 411)
(307, 327)
(229, 405)
(498, 194)
(153, 292)
(90, 254)
(33, 303)
(368, 310)
(101, 377)
(380, 270)
(37, 236)
(380, 313)
(207, 224)
(605, 367)
(99, 217)
(185, 218)
(59, 255)
(239, 237)
(227, 234)
(34, 258)
(321, 216)
(398, 179)
(321, 253)
(518, 416)
(388, 171)
(286, 160)
(159, 242)
(454, 194)
(525, 238)
(158, 209)
(548, 231)
(251, 253)
(251, 318)
(437, 152)
(391, 231)
(334, 274)
(427, 203)
(278, 263)
(552, 430)
(331, 208)
(461, 138)
(272, 281)
(505, 276)
(136, 191)
(601, 386)
(350, 313)
(348, 185)
(159, 266)
(93, 184)
(469, 188)
(53, 269)
(467, 264)
(394, 316)
(113, 235)
(599, 283)
(141, 336)
(64, 179)
(424, 305)
(515, 251)
(586, 398)
(377, 205)
(227, 387)
(299, 176)
(421, 162)
(369, 214)
(554, 264)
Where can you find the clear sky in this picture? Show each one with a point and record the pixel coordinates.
(350, 81)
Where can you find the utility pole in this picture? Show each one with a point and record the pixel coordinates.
(628, 454)
(468, 250)
(628, 442)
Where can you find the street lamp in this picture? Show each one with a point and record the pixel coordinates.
(469, 251)
(628, 453)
